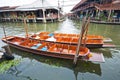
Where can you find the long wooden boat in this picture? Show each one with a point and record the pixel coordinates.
(46, 48)
(52, 49)
(72, 39)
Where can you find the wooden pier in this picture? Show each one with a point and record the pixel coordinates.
(28, 20)
(105, 22)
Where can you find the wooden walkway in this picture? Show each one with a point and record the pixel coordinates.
(104, 22)
(38, 19)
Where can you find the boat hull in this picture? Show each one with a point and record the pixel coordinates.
(72, 43)
(92, 41)
(45, 53)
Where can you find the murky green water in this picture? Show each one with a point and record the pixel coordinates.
(34, 67)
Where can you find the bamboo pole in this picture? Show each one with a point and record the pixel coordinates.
(79, 42)
(7, 49)
(26, 28)
(86, 31)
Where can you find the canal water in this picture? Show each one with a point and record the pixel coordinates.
(35, 67)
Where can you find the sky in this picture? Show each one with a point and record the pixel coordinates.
(67, 4)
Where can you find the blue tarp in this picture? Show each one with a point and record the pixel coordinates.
(36, 46)
(44, 49)
(51, 34)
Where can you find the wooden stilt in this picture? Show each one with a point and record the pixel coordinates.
(58, 11)
(109, 15)
(43, 10)
(44, 18)
(99, 14)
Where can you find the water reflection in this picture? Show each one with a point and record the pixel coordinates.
(82, 66)
(106, 52)
(67, 27)
(30, 67)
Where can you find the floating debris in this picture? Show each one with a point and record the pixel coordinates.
(5, 65)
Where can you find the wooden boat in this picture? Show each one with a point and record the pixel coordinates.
(52, 49)
(72, 39)
(68, 35)
(46, 48)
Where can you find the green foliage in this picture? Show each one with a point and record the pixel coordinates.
(5, 65)
(103, 17)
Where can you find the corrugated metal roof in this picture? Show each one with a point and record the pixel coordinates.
(109, 7)
(38, 4)
(115, 5)
(7, 8)
(77, 5)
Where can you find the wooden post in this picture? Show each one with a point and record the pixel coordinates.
(109, 15)
(26, 28)
(86, 31)
(8, 48)
(79, 42)
(58, 15)
(43, 10)
(58, 11)
(98, 14)
(44, 18)
(86, 13)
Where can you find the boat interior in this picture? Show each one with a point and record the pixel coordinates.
(40, 34)
(47, 46)
(69, 38)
